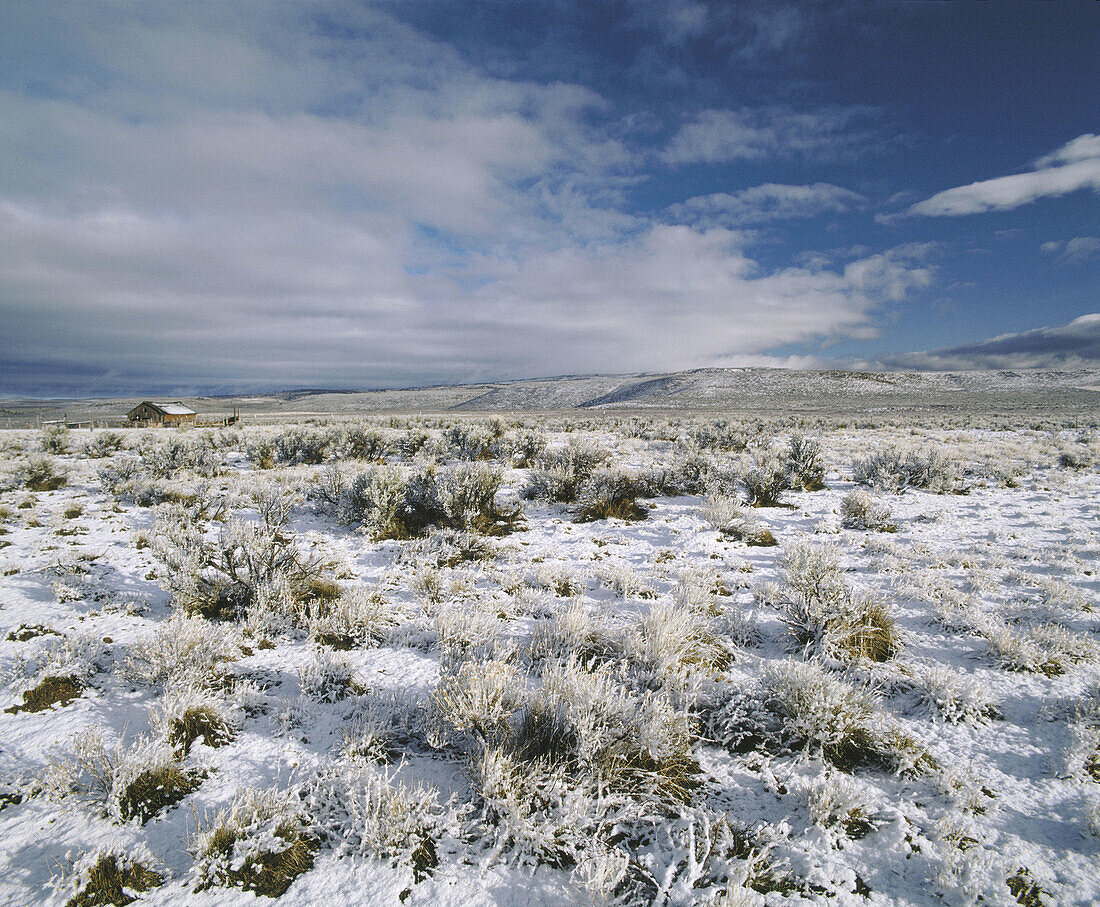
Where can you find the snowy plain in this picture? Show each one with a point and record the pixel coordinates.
(986, 713)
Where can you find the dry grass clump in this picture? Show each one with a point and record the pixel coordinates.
(187, 714)
(1078, 456)
(835, 803)
(126, 782)
(42, 474)
(840, 722)
(111, 876)
(575, 631)
(329, 678)
(623, 580)
(561, 579)
(469, 631)
(358, 618)
(362, 811)
(827, 714)
(185, 650)
(858, 510)
(1049, 649)
(261, 843)
(49, 691)
(726, 514)
(450, 548)
(826, 617)
(674, 645)
(477, 703)
(955, 697)
(27, 632)
(639, 745)
(582, 722)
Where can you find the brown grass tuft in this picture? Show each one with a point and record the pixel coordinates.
(50, 691)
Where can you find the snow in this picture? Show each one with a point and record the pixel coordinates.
(1025, 552)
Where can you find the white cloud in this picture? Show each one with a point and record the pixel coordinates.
(768, 202)
(683, 297)
(307, 205)
(717, 136)
(1073, 251)
(1073, 167)
(1073, 345)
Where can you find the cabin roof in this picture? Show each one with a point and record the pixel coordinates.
(168, 409)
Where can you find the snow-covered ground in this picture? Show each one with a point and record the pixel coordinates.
(701, 711)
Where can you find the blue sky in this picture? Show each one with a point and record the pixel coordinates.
(241, 196)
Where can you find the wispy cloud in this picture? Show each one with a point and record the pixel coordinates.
(1071, 168)
(768, 202)
(1073, 345)
(1073, 251)
(717, 136)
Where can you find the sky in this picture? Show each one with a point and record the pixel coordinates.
(216, 197)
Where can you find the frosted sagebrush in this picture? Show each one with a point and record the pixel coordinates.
(858, 510)
(895, 469)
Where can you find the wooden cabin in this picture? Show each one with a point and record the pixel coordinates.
(161, 414)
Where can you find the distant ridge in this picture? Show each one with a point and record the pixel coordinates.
(714, 390)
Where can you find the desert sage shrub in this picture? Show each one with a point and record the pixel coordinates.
(297, 447)
(465, 441)
(391, 503)
(293, 447)
(896, 468)
(103, 444)
(611, 494)
(561, 472)
(766, 479)
(521, 449)
(805, 464)
(55, 438)
(261, 843)
(240, 566)
(719, 435)
(825, 616)
(163, 459)
(362, 442)
(859, 510)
